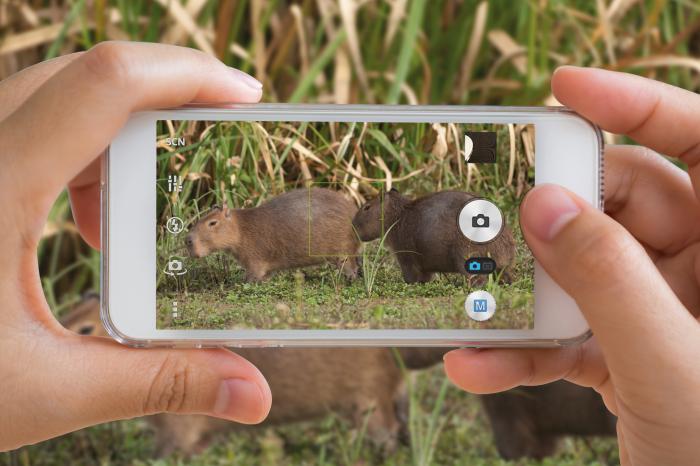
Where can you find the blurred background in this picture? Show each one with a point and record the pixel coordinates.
(497, 52)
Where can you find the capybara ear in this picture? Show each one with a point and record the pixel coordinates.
(393, 190)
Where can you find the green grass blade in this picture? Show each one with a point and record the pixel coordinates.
(55, 47)
(323, 59)
(415, 17)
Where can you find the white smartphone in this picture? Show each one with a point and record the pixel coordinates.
(313, 225)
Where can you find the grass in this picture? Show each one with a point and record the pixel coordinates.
(432, 70)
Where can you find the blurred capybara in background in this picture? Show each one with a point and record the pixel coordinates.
(424, 234)
(528, 421)
(299, 228)
(309, 384)
(362, 385)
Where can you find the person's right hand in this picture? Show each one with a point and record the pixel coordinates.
(55, 120)
(635, 273)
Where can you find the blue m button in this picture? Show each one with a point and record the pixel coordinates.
(480, 305)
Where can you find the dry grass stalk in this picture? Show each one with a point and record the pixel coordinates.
(301, 33)
(348, 16)
(475, 42)
(176, 33)
(665, 61)
(259, 47)
(607, 32)
(513, 153)
(34, 37)
(342, 77)
(507, 46)
(398, 13)
(187, 23)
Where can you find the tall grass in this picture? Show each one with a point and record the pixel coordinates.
(423, 55)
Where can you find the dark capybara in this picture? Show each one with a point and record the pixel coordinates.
(424, 235)
(528, 421)
(299, 228)
(360, 384)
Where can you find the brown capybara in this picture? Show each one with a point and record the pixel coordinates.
(312, 383)
(528, 421)
(362, 385)
(299, 228)
(424, 235)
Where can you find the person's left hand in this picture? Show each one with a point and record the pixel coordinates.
(55, 120)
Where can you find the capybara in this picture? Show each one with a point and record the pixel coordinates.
(359, 384)
(299, 228)
(528, 421)
(424, 234)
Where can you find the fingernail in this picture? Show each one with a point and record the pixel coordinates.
(240, 400)
(247, 79)
(547, 209)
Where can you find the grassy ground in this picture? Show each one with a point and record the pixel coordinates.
(441, 52)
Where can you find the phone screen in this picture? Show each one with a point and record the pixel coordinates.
(342, 225)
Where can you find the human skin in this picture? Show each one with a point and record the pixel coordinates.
(56, 118)
(634, 271)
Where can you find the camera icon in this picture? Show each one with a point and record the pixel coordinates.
(175, 266)
(480, 221)
(480, 265)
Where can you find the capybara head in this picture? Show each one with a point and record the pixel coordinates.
(370, 219)
(84, 318)
(211, 233)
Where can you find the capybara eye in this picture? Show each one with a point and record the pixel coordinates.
(365, 207)
(86, 330)
(213, 223)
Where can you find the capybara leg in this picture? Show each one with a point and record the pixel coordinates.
(382, 425)
(255, 274)
(505, 275)
(411, 270)
(402, 412)
(349, 267)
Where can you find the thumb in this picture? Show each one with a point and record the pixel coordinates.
(108, 381)
(627, 303)
(216, 382)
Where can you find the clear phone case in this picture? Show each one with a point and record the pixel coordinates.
(307, 338)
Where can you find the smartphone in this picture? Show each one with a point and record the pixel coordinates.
(323, 225)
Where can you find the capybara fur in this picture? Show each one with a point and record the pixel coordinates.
(424, 236)
(528, 421)
(359, 384)
(296, 229)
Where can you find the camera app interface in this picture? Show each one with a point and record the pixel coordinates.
(333, 225)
